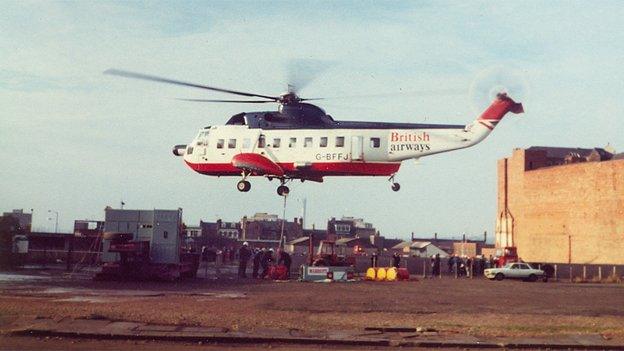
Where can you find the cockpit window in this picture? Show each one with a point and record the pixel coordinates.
(220, 143)
(231, 143)
(238, 119)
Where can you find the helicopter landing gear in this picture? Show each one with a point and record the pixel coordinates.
(394, 186)
(243, 185)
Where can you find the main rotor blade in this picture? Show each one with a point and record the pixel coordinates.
(300, 72)
(234, 101)
(127, 74)
(423, 92)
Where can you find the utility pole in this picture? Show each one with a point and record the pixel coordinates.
(56, 222)
(304, 214)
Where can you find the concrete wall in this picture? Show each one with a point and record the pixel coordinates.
(563, 214)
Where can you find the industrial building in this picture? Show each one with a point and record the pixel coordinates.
(562, 205)
(24, 218)
(161, 228)
(419, 249)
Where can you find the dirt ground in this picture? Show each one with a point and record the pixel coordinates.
(467, 306)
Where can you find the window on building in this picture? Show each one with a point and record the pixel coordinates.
(165, 234)
(292, 142)
(307, 142)
(375, 142)
(261, 141)
(231, 143)
(323, 142)
(340, 141)
(343, 227)
(220, 143)
(246, 143)
(277, 142)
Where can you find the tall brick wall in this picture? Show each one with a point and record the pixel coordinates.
(570, 213)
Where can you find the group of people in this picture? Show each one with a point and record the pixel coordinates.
(262, 258)
(468, 266)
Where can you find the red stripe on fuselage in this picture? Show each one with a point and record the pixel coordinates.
(315, 169)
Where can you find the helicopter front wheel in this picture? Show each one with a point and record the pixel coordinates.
(243, 186)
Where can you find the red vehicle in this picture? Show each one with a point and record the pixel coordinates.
(327, 255)
(510, 254)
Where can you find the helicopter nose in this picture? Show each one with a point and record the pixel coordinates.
(179, 150)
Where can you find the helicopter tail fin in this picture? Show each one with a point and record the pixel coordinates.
(498, 109)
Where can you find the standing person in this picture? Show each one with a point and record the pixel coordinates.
(267, 260)
(374, 259)
(256, 261)
(436, 265)
(451, 264)
(243, 256)
(432, 266)
(286, 260)
(396, 260)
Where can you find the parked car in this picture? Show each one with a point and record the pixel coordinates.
(516, 270)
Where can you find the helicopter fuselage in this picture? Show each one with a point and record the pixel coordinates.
(329, 148)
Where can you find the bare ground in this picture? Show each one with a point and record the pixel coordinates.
(477, 307)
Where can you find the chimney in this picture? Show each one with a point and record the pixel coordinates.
(435, 236)
(484, 236)
(412, 236)
(464, 237)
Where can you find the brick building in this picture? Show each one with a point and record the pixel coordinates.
(460, 247)
(349, 227)
(24, 218)
(264, 230)
(562, 205)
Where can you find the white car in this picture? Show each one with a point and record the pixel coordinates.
(516, 270)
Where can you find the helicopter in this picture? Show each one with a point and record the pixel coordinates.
(300, 141)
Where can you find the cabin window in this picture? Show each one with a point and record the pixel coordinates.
(277, 142)
(340, 141)
(220, 143)
(292, 142)
(307, 142)
(375, 142)
(231, 143)
(246, 143)
(261, 141)
(323, 142)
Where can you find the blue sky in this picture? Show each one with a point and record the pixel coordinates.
(75, 140)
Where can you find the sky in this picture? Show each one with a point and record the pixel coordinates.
(74, 140)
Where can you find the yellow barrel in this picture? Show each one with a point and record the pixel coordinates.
(381, 274)
(370, 273)
(391, 274)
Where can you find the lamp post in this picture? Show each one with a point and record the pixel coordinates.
(56, 222)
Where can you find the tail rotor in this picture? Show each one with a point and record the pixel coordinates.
(491, 82)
